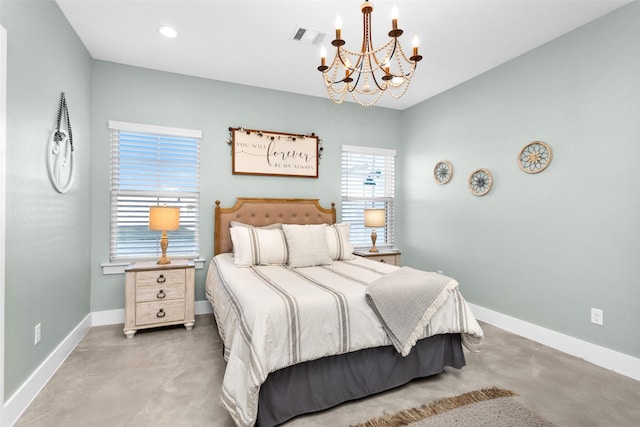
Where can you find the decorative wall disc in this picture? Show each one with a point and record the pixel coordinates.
(534, 157)
(443, 172)
(480, 182)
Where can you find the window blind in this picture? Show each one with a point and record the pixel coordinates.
(153, 166)
(368, 181)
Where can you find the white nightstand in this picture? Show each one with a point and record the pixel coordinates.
(390, 256)
(158, 295)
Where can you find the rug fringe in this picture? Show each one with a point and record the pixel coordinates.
(440, 406)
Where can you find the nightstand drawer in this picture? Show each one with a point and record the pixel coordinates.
(164, 278)
(389, 259)
(157, 312)
(388, 256)
(159, 293)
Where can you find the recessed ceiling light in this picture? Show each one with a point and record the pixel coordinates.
(167, 31)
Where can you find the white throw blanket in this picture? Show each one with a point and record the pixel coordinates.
(405, 300)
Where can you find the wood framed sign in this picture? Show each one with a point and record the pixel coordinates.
(257, 152)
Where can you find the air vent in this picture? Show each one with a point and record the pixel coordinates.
(299, 34)
(308, 36)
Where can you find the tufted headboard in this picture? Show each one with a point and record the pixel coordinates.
(261, 211)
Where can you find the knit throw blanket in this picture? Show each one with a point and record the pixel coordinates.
(405, 300)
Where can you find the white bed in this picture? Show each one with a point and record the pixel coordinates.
(306, 323)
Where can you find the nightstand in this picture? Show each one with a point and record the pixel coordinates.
(390, 256)
(158, 295)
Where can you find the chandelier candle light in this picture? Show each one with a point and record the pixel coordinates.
(163, 218)
(366, 77)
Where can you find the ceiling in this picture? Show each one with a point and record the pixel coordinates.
(250, 42)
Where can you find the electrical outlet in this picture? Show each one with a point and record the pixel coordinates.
(37, 335)
(597, 316)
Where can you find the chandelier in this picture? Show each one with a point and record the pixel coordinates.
(366, 75)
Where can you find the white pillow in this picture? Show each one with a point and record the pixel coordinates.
(307, 245)
(258, 246)
(338, 240)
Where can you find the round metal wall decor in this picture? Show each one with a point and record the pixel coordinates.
(480, 182)
(534, 157)
(443, 172)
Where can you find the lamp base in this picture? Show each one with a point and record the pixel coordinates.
(374, 237)
(164, 260)
(164, 243)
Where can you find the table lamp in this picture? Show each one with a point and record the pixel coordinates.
(163, 218)
(374, 218)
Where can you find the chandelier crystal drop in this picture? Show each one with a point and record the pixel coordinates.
(368, 74)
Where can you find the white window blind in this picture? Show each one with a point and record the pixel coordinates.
(368, 181)
(153, 166)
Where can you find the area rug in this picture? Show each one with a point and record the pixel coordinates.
(487, 407)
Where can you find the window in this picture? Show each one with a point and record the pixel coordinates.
(153, 166)
(368, 181)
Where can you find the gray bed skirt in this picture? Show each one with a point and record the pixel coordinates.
(320, 384)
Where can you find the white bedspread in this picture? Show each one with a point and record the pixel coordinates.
(271, 317)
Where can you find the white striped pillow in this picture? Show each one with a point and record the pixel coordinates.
(338, 240)
(307, 245)
(258, 246)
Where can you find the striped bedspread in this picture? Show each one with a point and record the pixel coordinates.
(271, 317)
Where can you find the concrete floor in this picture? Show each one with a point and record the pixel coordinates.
(172, 377)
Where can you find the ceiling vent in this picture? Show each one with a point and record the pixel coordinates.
(308, 36)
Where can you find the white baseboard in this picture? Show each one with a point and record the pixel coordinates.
(107, 317)
(22, 398)
(598, 355)
(203, 307)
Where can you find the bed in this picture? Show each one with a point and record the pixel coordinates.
(299, 332)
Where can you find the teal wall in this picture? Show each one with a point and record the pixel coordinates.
(47, 233)
(543, 248)
(139, 95)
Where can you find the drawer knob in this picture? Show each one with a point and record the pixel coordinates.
(161, 294)
(161, 279)
(161, 313)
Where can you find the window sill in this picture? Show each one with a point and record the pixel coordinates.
(118, 267)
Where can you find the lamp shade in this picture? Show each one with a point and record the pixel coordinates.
(374, 217)
(162, 218)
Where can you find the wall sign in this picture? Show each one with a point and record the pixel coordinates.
(258, 152)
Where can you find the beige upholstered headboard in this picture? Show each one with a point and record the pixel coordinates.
(261, 211)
